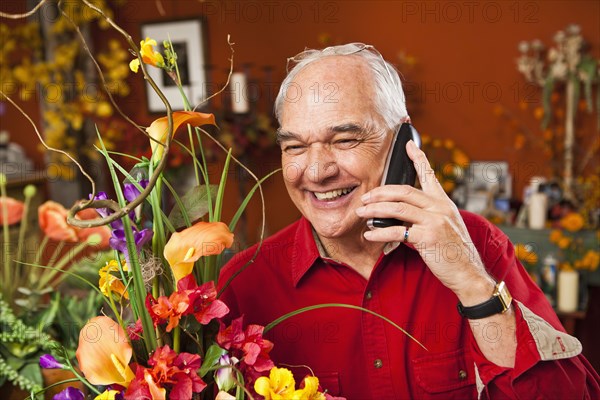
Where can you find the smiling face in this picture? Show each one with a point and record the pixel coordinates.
(333, 143)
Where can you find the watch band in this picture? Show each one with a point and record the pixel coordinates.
(498, 303)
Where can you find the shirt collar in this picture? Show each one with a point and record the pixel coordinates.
(305, 251)
(308, 248)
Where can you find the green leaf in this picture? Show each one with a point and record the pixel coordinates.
(240, 210)
(33, 373)
(211, 358)
(221, 192)
(340, 305)
(195, 202)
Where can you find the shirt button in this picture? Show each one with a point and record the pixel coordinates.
(462, 374)
(369, 295)
(378, 363)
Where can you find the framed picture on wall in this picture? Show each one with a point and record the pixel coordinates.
(189, 41)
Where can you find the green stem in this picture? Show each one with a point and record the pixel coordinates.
(40, 251)
(46, 278)
(7, 268)
(57, 251)
(51, 386)
(81, 378)
(23, 227)
(176, 339)
(340, 305)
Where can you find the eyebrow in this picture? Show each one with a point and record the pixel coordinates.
(351, 127)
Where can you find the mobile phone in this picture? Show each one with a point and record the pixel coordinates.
(399, 168)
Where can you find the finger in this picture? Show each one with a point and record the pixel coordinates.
(402, 211)
(394, 234)
(404, 193)
(427, 178)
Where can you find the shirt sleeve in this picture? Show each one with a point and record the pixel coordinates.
(545, 353)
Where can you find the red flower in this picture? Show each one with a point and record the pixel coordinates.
(171, 308)
(135, 331)
(168, 370)
(247, 345)
(14, 210)
(202, 299)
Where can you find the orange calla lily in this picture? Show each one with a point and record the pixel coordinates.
(53, 222)
(201, 239)
(14, 210)
(159, 129)
(104, 353)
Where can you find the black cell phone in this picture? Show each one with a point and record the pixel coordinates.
(399, 168)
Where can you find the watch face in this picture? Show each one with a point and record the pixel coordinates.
(504, 296)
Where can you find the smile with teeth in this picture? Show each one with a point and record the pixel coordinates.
(333, 194)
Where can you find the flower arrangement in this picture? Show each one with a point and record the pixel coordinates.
(575, 253)
(164, 333)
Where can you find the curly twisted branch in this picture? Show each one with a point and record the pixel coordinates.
(25, 15)
(119, 211)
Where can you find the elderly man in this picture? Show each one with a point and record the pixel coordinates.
(338, 109)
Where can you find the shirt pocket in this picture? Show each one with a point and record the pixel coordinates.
(329, 381)
(449, 375)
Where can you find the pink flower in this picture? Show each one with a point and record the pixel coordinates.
(202, 299)
(247, 345)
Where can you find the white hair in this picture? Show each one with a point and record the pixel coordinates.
(390, 102)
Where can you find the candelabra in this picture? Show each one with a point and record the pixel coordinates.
(566, 64)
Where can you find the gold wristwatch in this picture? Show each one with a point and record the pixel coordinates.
(499, 303)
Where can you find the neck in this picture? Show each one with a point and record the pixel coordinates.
(354, 251)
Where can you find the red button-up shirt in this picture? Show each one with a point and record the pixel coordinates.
(358, 355)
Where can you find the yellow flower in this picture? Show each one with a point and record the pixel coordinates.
(572, 222)
(104, 109)
(104, 353)
(591, 260)
(109, 283)
(201, 239)
(555, 236)
(159, 128)
(460, 158)
(525, 253)
(278, 386)
(149, 56)
(310, 390)
(565, 266)
(564, 242)
(107, 395)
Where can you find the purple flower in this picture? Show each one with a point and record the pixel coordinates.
(131, 192)
(69, 393)
(49, 362)
(224, 377)
(119, 242)
(105, 212)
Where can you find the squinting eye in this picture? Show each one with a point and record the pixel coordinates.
(346, 143)
(294, 149)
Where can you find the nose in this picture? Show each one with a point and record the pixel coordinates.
(322, 164)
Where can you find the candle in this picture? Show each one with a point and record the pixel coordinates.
(239, 95)
(538, 203)
(568, 291)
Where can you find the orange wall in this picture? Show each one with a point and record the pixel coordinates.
(465, 67)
